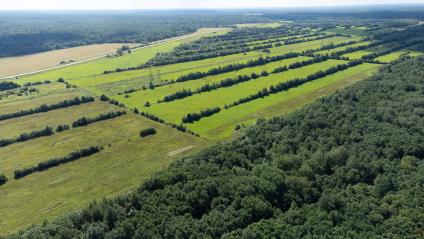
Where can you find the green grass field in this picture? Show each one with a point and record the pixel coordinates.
(355, 31)
(258, 25)
(395, 55)
(222, 125)
(175, 110)
(338, 49)
(126, 160)
(137, 99)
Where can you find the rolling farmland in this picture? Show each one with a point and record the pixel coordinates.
(243, 72)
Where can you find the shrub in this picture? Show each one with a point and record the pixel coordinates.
(147, 132)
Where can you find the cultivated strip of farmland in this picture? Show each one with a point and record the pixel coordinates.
(222, 124)
(138, 98)
(175, 110)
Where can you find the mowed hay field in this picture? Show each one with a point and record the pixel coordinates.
(125, 160)
(10, 66)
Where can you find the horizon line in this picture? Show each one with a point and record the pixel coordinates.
(217, 8)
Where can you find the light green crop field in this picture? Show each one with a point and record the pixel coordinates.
(222, 125)
(138, 98)
(125, 161)
(342, 48)
(310, 45)
(395, 55)
(175, 110)
(168, 72)
(357, 54)
(111, 84)
(137, 57)
(259, 25)
(354, 31)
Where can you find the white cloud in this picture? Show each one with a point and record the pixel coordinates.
(171, 4)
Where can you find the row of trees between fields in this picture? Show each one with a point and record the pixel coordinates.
(47, 131)
(283, 86)
(147, 132)
(84, 121)
(42, 166)
(45, 108)
(239, 79)
(192, 117)
(178, 127)
(8, 85)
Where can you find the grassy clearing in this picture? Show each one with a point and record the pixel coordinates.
(42, 90)
(222, 125)
(126, 160)
(28, 63)
(342, 48)
(357, 54)
(310, 45)
(137, 99)
(14, 127)
(168, 72)
(175, 110)
(111, 84)
(395, 55)
(137, 57)
(37, 100)
(354, 31)
(259, 25)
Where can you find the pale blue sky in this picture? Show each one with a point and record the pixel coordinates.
(172, 4)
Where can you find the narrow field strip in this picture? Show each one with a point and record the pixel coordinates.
(342, 48)
(174, 111)
(137, 99)
(222, 124)
(311, 45)
(46, 108)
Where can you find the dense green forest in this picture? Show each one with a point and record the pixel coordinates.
(25, 33)
(347, 166)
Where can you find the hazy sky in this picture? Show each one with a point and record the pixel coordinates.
(171, 4)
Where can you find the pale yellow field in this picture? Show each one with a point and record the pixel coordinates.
(28, 63)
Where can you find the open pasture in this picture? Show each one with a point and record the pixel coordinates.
(158, 93)
(222, 125)
(125, 160)
(175, 110)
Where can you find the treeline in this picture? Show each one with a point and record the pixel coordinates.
(22, 35)
(42, 166)
(7, 85)
(192, 117)
(84, 121)
(147, 132)
(283, 86)
(239, 79)
(47, 131)
(178, 127)
(45, 108)
(349, 165)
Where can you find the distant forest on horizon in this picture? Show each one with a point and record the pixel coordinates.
(30, 32)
